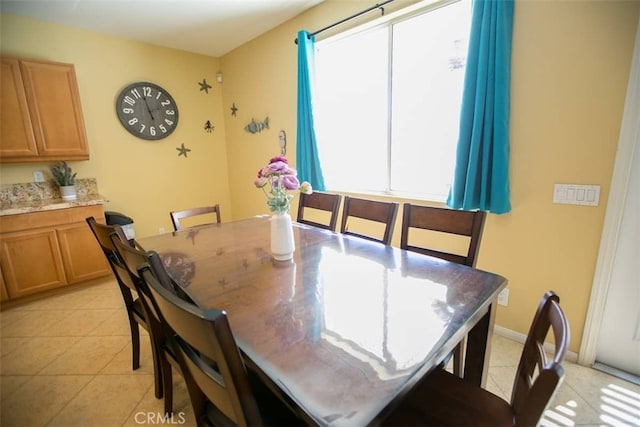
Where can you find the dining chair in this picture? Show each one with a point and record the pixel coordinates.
(319, 201)
(132, 258)
(447, 221)
(133, 305)
(371, 210)
(217, 380)
(444, 221)
(176, 216)
(444, 399)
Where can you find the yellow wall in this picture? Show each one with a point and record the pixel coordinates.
(143, 179)
(570, 68)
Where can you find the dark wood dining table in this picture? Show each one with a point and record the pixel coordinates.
(344, 330)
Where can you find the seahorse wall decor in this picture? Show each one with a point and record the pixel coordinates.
(255, 127)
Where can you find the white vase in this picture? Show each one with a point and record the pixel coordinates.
(282, 243)
(68, 192)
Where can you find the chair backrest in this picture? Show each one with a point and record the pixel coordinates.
(371, 210)
(176, 216)
(134, 257)
(323, 202)
(443, 220)
(103, 236)
(538, 376)
(208, 355)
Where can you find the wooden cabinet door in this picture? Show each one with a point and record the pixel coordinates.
(54, 106)
(82, 257)
(31, 262)
(16, 134)
(3, 289)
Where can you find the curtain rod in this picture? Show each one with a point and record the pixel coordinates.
(376, 6)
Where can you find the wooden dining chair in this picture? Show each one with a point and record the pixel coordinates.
(371, 210)
(443, 399)
(133, 305)
(217, 380)
(132, 258)
(444, 221)
(319, 201)
(176, 216)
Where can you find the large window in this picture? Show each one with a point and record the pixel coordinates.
(388, 103)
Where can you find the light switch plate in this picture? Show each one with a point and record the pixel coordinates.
(575, 194)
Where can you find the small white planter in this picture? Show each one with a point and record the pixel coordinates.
(68, 192)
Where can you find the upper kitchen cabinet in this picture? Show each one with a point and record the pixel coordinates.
(41, 112)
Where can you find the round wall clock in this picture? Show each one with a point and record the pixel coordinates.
(147, 111)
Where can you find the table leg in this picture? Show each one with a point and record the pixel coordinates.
(476, 364)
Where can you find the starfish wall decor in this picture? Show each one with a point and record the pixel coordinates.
(182, 150)
(204, 86)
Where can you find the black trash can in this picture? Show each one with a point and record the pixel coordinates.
(125, 222)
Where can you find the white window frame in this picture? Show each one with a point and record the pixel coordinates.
(388, 21)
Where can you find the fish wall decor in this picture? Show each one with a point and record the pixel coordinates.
(255, 127)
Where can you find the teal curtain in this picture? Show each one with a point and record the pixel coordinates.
(307, 161)
(481, 177)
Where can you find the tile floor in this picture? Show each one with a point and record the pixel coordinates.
(63, 354)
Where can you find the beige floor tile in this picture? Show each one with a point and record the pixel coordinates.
(78, 323)
(10, 316)
(107, 400)
(33, 356)
(504, 352)
(38, 400)
(34, 324)
(150, 410)
(121, 362)
(116, 324)
(89, 355)
(567, 408)
(9, 384)
(9, 345)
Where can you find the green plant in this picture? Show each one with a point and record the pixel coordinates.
(63, 175)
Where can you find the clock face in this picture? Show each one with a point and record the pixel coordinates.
(147, 111)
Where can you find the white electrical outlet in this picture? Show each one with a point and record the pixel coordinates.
(503, 297)
(38, 176)
(161, 230)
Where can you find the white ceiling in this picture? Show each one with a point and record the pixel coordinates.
(208, 27)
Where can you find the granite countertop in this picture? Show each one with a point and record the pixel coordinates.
(45, 196)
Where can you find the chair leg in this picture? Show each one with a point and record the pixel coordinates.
(167, 381)
(157, 370)
(458, 358)
(135, 344)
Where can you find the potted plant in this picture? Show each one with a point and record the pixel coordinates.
(66, 180)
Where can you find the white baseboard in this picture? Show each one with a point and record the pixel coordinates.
(521, 338)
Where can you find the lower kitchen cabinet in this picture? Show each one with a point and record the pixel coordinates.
(49, 249)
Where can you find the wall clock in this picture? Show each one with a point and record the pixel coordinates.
(147, 111)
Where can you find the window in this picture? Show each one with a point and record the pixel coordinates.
(388, 103)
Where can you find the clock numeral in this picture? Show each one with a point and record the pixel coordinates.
(158, 95)
(129, 100)
(152, 131)
(135, 93)
(128, 110)
(162, 128)
(165, 103)
(170, 112)
(133, 121)
(147, 91)
(168, 122)
(142, 127)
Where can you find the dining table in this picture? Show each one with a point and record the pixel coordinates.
(344, 330)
